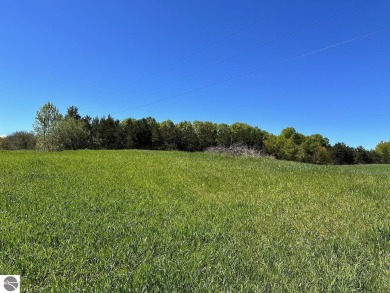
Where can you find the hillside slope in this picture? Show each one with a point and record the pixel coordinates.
(171, 221)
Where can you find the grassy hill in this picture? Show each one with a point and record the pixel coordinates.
(171, 221)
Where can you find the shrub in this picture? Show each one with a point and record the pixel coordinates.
(238, 150)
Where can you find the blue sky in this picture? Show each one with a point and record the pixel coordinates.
(120, 57)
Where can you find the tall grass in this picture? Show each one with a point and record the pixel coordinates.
(144, 221)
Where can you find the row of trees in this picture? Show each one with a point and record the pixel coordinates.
(53, 131)
(294, 146)
(71, 131)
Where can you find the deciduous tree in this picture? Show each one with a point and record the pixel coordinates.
(224, 135)
(188, 140)
(383, 150)
(46, 120)
(71, 134)
(169, 135)
(206, 133)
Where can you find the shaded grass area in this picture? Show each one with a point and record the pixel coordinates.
(149, 221)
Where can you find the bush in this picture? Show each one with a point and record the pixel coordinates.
(21, 140)
(238, 151)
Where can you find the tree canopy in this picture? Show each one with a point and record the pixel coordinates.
(46, 121)
(53, 131)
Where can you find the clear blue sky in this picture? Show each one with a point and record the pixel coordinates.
(116, 57)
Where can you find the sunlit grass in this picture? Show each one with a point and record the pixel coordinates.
(97, 221)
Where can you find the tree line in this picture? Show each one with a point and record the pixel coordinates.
(54, 131)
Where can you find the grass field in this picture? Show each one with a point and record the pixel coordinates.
(147, 221)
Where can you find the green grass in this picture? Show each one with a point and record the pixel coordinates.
(145, 221)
